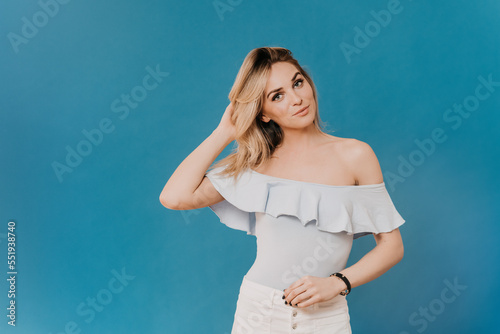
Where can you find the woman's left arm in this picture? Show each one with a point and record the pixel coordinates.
(309, 290)
(389, 250)
(387, 253)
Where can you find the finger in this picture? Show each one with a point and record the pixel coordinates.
(292, 294)
(292, 286)
(305, 303)
(298, 294)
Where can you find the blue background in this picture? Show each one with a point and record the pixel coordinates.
(185, 267)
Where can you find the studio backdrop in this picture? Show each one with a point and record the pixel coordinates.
(102, 100)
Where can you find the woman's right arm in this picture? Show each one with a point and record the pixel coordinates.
(188, 187)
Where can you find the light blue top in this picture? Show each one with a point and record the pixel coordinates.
(302, 228)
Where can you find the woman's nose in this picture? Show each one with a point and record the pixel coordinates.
(295, 98)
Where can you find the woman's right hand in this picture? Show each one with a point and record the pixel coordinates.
(226, 124)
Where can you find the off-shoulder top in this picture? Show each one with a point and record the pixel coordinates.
(302, 228)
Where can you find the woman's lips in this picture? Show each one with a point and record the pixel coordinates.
(303, 112)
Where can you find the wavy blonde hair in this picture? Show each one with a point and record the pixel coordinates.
(256, 139)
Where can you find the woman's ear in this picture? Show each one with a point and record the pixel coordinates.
(264, 118)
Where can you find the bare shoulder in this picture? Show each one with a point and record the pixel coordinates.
(360, 158)
(349, 148)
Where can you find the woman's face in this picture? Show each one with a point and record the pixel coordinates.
(287, 92)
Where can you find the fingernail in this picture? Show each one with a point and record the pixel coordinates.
(286, 303)
(283, 297)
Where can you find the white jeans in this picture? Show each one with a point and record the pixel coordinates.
(260, 309)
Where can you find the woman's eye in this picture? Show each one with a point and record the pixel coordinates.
(274, 97)
(301, 81)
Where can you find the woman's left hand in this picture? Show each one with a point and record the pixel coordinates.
(309, 290)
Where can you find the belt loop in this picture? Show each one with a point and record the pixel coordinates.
(272, 297)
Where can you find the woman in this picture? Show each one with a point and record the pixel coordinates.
(303, 193)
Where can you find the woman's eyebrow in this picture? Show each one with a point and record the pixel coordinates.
(277, 89)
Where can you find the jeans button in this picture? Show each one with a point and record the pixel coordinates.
(294, 313)
(294, 326)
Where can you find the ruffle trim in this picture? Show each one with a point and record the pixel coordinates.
(357, 210)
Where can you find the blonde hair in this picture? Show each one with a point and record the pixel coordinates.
(256, 139)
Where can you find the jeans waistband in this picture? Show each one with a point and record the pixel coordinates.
(263, 293)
